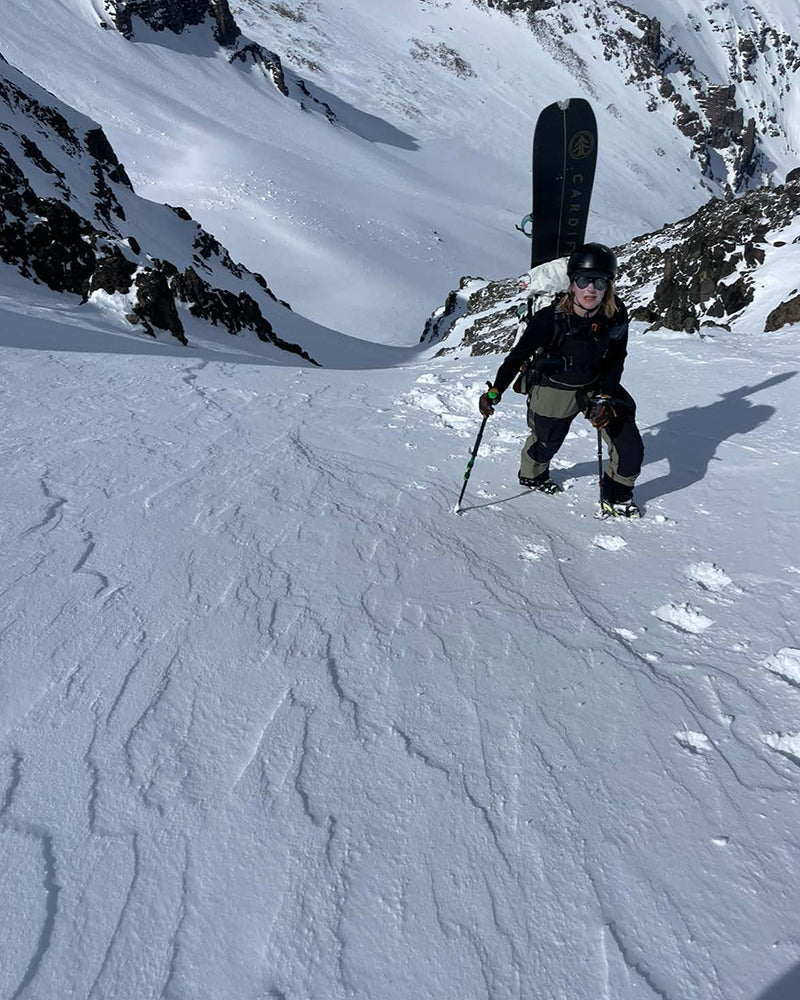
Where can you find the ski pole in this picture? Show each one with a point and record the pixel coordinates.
(594, 402)
(471, 462)
(600, 465)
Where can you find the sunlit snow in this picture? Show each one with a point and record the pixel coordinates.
(274, 723)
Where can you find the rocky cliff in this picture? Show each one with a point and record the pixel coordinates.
(179, 15)
(706, 269)
(174, 15)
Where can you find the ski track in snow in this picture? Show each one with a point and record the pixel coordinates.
(290, 726)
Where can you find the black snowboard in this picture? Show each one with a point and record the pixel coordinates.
(564, 160)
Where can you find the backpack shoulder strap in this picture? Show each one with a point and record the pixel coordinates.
(560, 330)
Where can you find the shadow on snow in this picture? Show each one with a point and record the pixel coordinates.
(786, 988)
(198, 40)
(688, 439)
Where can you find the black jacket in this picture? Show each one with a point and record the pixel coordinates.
(585, 350)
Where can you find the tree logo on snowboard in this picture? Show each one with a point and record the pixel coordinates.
(581, 145)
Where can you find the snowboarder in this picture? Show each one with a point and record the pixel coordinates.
(569, 360)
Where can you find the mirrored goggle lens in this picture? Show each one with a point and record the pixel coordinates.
(582, 281)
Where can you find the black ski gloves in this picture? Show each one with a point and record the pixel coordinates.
(488, 401)
(600, 412)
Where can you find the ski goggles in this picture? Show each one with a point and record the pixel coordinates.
(584, 280)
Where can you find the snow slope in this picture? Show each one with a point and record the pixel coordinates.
(276, 724)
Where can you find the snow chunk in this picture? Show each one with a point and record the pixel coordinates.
(708, 576)
(533, 553)
(786, 664)
(452, 406)
(683, 617)
(693, 742)
(786, 743)
(626, 633)
(611, 543)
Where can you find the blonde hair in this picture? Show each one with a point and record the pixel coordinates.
(608, 306)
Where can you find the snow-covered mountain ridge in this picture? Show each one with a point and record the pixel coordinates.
(732, 123)
(413, 166)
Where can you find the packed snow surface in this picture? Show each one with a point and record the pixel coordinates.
(276, 723)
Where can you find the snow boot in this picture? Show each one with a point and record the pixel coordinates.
(628, 508)
(617, 499)
(542, 483)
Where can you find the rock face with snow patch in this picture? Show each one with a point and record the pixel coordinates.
(484, 317)
(70, 219)
(487, 311)
(704, 269)
(701, 270)
(178, 15)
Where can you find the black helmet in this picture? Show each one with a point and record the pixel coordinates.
(595, 259)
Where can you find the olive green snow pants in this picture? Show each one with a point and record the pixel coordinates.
(550, 413)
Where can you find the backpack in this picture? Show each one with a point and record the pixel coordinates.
(545, 359)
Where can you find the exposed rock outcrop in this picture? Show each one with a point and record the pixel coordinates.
(787, 312)
(113, 272)
(175, 16)
(703, 270)
(155, 304)
(178, 15)
(227, 30)
(269, 63)
(483, 317)
(44, 238)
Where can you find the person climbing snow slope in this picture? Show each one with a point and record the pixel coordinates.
(569, 360)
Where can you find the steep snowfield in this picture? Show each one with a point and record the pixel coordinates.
(276, 723)
(71, 221)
